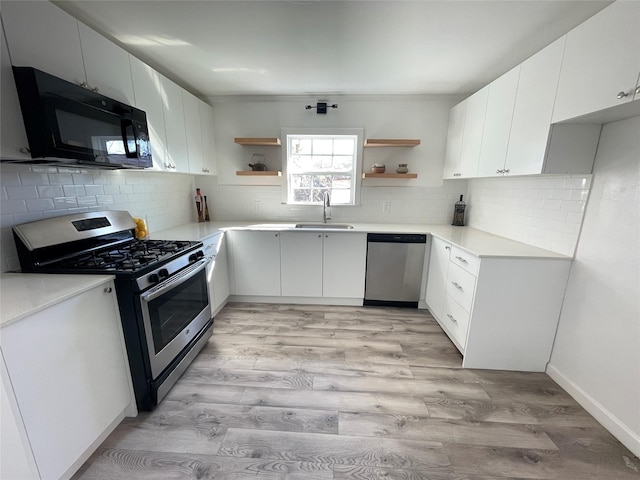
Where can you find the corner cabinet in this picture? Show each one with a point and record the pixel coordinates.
(501, 313)
(75, 387)
(601, 64)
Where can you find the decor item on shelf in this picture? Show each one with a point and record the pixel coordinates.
(377, 168)
(199, 206)
(258, 164)
(458, 213)
(206, 210)
(321, 107)
(402, 168)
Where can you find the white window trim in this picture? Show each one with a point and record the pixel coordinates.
(357, 181)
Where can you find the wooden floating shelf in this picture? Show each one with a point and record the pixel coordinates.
(389, 175)
(390, 142)
(266, 142)
(268, 173)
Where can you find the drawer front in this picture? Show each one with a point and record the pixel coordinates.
(465, 260)
(461, 286)
(456, 319)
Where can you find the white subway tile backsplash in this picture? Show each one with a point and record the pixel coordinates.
(74, 190)
(539, 210)
(60, 179)
(50, 191)
(94, 189)
(30, 178)
(13, 206)
(82, 179)
(10, 178)
(39, 204)
(17, 192)
(87, 201)
(63, 203)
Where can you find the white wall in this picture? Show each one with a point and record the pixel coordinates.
(30, 193)
(596, 355)
(422, 200)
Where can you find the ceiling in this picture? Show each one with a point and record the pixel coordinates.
(324, 47)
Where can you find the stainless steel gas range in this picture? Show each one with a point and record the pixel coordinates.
(161, 288)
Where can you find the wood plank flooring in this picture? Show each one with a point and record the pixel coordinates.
(320, 392)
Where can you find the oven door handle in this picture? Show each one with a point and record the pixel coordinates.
(174, 281)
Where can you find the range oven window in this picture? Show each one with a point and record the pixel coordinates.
(171, 312)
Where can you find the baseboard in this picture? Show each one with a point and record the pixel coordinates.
(627, 437)
(354, 302)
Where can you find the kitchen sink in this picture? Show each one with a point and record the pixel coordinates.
(325, 226)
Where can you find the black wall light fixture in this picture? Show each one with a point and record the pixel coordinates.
(321, 107)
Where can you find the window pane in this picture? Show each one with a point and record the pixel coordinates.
(301, 195)
(301, 146)
(322, 146)
(318, 195)
(322, 181)
(301, 181)
(344, 146)
(343, 163)
(340, 197)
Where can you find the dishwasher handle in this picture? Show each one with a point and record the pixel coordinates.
(396, 238)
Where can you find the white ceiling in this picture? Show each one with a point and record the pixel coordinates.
(325, 47)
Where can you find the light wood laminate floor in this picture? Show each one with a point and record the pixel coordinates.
(319, 392)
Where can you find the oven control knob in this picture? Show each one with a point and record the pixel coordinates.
(193, 257)
(163, 273)
(153, 278)
(199, 254)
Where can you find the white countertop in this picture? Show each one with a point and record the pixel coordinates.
(476, 242)
(23, 294)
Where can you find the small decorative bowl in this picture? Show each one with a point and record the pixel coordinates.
(375, 168)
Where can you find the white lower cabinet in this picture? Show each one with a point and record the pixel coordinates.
(215, 249)
(301, 264)
(344, 265)
(255, 262)
(66, 383)
(298, 264)
(317, 264)
(501, 313)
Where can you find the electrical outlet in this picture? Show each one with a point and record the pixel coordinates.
(386, 207)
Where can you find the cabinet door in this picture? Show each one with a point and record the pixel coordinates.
(174, 122)
(533, 109)
(256, 262)
(454, 141)
(41, 35)
(497, 123)
(106, 65)
(75, 383)
(147, 88)
(301, 264)
(13, 138)
(437, 279)
(472, 136)
(344, 264)
(208, 140)
(600, 61)
(194, 132)
(221, 275)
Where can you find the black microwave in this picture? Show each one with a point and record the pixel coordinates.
(69, 124)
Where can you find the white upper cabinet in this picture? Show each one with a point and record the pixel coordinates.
(531, 123)
(497, 123)
(464, 138)
(13, 139)
(58, 44)
(106, 65)
(601, 62)
(194, 132)
(149, 96)
(42, 36)
(454, 140)
(174, 122)
(209, 166)
(473, 130)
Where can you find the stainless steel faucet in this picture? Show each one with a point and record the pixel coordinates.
(325, 204)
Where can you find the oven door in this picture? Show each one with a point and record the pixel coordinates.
(174, 312)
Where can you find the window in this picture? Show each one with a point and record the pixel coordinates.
(316, 163)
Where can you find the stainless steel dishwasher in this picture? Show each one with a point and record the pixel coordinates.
(394, 269)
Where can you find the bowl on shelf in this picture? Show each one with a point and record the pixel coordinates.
(377, 168)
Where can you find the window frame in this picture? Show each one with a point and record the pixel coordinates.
(329, 132)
